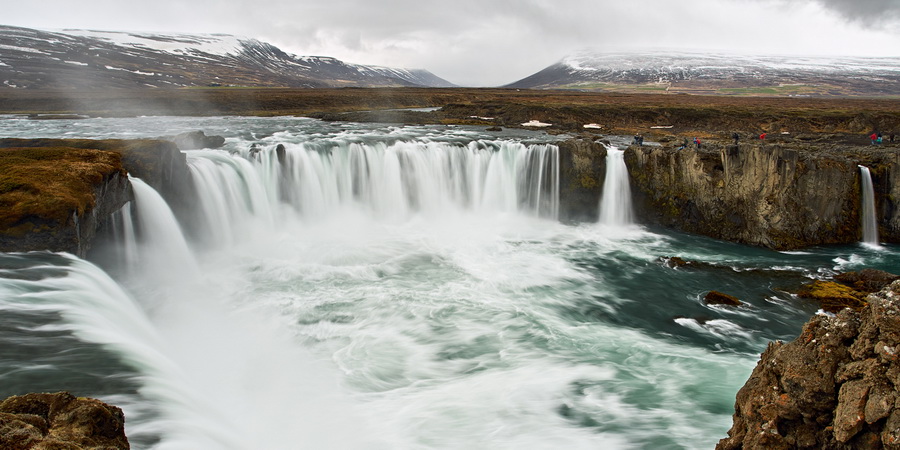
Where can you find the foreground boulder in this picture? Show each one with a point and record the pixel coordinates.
(834, 387)
(60, 421)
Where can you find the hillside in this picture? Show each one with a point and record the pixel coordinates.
(720, 74)
(81, 59)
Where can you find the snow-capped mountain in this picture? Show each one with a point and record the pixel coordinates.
(720, 73)
(32, 58)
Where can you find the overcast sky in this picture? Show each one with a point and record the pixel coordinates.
(495, 42)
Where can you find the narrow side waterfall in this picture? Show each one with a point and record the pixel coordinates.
(615, 205)
(869, 221)
(161, 242)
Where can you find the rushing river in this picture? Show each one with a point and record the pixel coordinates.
(397, 288)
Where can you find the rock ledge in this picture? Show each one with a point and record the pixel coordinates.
(834, 387)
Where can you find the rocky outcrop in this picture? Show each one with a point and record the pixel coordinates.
(55, 198)
(193, 140)
(834, 387)
(763, 195)
(582, 172)
(159, 163)
(57, 193)
(60, 421)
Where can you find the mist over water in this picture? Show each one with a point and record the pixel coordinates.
(393, 287)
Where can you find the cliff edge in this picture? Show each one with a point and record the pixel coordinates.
(834, 387)
(775, 196)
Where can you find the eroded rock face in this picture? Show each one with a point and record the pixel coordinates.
(834, 387)
(60, 421)
(767, 196)
(582, 172)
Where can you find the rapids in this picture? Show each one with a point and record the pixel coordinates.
(393, 287)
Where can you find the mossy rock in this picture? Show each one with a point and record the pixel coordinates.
(832, 296)
(46, 186)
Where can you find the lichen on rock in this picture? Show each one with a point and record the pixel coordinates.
(60, 421)
(833, 387)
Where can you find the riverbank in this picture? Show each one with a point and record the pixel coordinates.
(611, 113)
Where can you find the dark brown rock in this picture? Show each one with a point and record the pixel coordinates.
(582, 172)
(60, 421)
(834, 387)
(720, 298)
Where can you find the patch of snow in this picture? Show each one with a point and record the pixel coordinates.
(481, 118)
(77, 63)
(22, 49)
(214, 44)
(593, 126)
(131, 71)
(663, 127)
(536, 123)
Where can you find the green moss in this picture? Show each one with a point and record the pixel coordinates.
(832, 296)
(588, 182)
(46, 185)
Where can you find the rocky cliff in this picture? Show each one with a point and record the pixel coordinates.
(54, 198)
(834, 387)
(774, 196)
(57, 193)
(60, 421)
(582, 170)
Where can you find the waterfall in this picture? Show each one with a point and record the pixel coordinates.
(869, 221)
(161, 243)
(615, 205)
(387, 181)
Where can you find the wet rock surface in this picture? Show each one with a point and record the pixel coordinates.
(834, 387)
(775, 196)
(60, 421)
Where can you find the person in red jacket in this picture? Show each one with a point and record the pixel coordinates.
(762, 136)
(873, 137)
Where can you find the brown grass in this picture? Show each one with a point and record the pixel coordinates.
(49, 184)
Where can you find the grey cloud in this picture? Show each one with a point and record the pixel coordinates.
(865, 11)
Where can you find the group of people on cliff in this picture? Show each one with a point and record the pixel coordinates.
(878, 139)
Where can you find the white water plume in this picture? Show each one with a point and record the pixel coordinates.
(868, 213)
(615, 205)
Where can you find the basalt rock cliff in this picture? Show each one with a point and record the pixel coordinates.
(60, 421)
(582, 170)
(774, 196)
(834, 387)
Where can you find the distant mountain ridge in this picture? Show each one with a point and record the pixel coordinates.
(31, 58)
(720, 74)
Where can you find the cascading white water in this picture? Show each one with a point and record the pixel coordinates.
(615, 204)
(162, 243)
(443, 310)
(391, 181)
(868, 216)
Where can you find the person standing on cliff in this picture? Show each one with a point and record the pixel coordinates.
(762, 137)
(873, 137)
(697, 143)
(736, 137)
